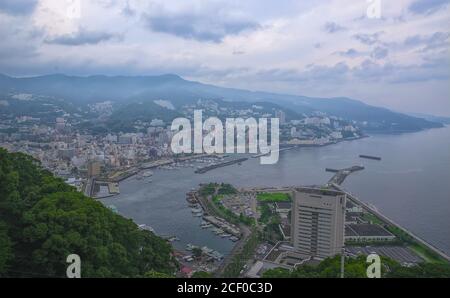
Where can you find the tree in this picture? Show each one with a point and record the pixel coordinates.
(202, 274)
(43, 220)
(356, 268)
(197, 252)
(154, 274)
(5, 248)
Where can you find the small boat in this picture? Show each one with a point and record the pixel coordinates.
(147, 174)
(207, 250)
(219, 232)
(188, 258)
(113, 208)
(146, 228)
(173, 238)
(190, 247)
(225, 235)
(216, 255)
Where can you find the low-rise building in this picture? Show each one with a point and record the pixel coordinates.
(367, 232)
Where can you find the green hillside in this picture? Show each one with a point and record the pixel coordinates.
(43, 220)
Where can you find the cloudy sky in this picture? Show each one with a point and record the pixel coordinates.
(327, 48)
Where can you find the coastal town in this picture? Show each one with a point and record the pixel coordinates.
(257, 221)
(67, 145)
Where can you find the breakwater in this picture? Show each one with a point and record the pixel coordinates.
(219, 165)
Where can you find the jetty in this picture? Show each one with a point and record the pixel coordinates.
(342, 174)
(370, 157)
(219, 165)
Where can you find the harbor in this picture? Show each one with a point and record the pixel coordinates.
(219, 226)
(162, 204)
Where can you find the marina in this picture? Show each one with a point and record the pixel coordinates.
(206, 250)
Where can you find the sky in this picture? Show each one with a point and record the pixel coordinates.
(393, 54)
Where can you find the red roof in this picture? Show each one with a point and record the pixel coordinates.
(186, 270)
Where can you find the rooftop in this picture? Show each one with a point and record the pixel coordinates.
(283, 205)
(319, 191)
(366, 230)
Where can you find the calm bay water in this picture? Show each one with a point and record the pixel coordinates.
(411, 185)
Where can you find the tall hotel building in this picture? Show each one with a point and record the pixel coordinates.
(318, 218)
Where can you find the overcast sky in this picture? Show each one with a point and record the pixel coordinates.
(324, 48)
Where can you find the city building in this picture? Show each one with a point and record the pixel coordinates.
(281, 116)
(318, 218)
(367, 232)
(94, 168)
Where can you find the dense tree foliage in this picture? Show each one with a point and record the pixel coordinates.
(5, 247)
(43, 220)
(202, 274)
(356, 268)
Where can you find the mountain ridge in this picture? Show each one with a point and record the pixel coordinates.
(123, 90)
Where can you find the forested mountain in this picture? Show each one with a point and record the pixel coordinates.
(43, 220)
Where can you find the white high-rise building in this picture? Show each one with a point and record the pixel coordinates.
(318, 218)
(281, 116)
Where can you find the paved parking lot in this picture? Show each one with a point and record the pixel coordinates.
(403, 255)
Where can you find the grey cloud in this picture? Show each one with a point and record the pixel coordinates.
(332, 27)
(390, 73)
(368, 39)
(336, 73)
(434, 41)
(18, 7)
(127, 10)
(369, 70)
(198, 27)
(427, 6)
(379, 53)
(17, 52)
(238, 52)
(350, 53)
(82, 37)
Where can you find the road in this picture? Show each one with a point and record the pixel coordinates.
(237, 249)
